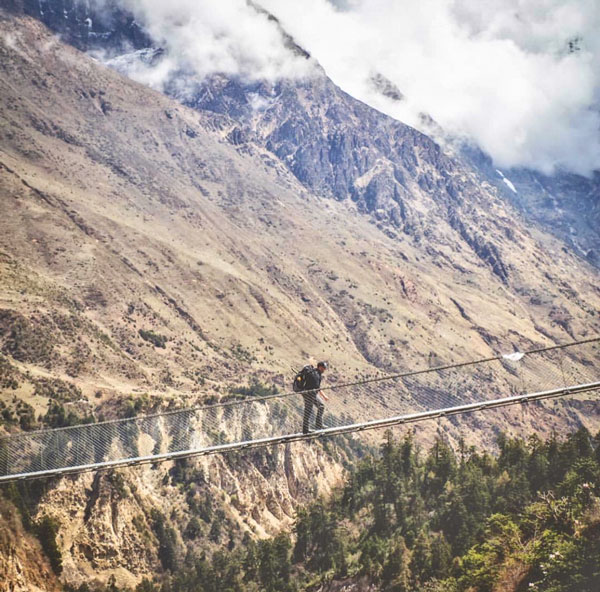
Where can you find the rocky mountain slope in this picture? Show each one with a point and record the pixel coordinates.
(564, 204)
(344, 149)
(149, 258)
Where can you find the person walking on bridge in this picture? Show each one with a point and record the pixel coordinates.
(310, 388)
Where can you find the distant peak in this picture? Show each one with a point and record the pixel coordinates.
(288, 40)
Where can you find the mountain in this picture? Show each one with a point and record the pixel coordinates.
(155, 255)
(438, 229)
(87, 25)
(564, 204)
(370, 163)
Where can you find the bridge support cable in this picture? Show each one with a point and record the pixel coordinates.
(318, 434)
(369, 403)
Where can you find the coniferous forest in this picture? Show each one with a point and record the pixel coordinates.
(443, 520)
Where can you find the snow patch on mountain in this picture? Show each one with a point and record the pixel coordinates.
(508, 182)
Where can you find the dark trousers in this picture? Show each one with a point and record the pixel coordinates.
(311, 399)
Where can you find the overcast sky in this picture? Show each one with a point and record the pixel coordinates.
(498, 72)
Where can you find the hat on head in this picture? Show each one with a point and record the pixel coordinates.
(324, 364)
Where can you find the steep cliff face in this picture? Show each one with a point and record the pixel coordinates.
(87, 25)
(565, 205)
(23, 566)
(135, 523)
(149, 258)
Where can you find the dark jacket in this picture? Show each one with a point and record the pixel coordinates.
(313, 380)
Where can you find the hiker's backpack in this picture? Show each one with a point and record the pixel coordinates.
(301, 379)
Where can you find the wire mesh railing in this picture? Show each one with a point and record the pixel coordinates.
(193, 430)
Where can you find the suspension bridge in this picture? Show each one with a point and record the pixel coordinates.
(239, 424)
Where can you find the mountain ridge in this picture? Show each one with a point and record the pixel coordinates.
(323, 162)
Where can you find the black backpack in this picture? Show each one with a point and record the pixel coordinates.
(301, 378)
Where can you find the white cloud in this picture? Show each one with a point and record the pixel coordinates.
(227, 36)
(495, 71)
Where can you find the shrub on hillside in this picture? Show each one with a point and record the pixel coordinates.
(155, 339)
(46, 530)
